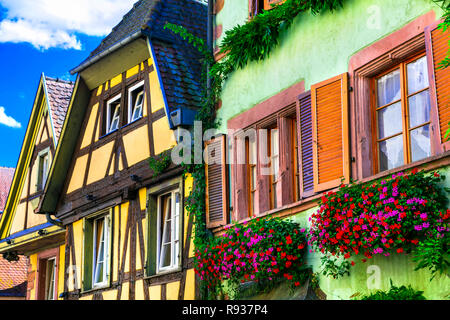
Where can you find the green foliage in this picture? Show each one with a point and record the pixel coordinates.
(396, 293)
(160, 164)
(444, 26)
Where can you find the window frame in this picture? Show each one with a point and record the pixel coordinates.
(109, 102)
(175, 241)
(89, 236)
(404, 101)
(130, 106)
(41, 175)
(48, 281)
(41, 282)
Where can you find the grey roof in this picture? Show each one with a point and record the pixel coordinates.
(178, 62)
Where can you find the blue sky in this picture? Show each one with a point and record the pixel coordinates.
(50, 36)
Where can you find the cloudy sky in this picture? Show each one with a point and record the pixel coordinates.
(44, 36)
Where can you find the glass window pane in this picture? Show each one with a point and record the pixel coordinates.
(391, 153)
(390, 120)
(167, 232)
(419, 109)
(417, 75)
(389, 89)
(420, 143)
(166, 254)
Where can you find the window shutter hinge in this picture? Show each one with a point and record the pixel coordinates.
(350, 89)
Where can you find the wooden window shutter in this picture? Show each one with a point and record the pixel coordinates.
(437, 44)
(306, 146)
(286, 169)
(152, 208)
(269, 3)
(329, 100)
(216, 183)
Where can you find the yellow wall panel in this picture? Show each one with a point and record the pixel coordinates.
(189, 290)
(86, 298)
(163, 137)
(139, 292)
(19, 219)
(61, 270)
(78, 237)
(116, 80)
(99, 91)
(33, 263)
(157, 98)
(115, 262)
(125, 291)
(131, 72)
(89, 131)
(110, 295)
(136, 145)
(155, 292)
(99, 163)
(34, 219)
(76, 181)
(124, 217)
(173, 289)
(24, 190)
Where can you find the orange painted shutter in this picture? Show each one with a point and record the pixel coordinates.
(437, 48)
(269, 3)
(216, 183)
(329, 101)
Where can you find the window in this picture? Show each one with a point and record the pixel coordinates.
(135, 102)
(168, 231)
(251, 174)
(43, 167)
(97, 244)
(274, 155)
(100, 253)
(113, 114)
(50, 273)
(402, 114)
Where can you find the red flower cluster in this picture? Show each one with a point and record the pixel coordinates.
(381, 217)
(254, 252)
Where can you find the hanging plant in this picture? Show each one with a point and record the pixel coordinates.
(262, 250)
(406, 213)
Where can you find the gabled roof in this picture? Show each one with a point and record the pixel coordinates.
(59, 94)
(6, 176)
(55, 93)
(13, 277)
(177, 61)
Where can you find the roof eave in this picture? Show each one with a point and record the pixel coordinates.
(106, 52)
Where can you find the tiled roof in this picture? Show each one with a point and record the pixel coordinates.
(178, 62)
(6, 177)
(13, 275)
(59, 94)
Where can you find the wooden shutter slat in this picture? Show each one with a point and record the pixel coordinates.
(306, 145)
(437, 44)
(216, 184)
(329, 104)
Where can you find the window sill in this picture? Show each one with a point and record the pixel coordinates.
(164, 273)
(95, 289)
(428, 164)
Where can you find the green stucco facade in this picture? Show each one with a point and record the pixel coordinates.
(315, 49)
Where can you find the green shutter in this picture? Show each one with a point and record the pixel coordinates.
(152, 236)
(88, 249)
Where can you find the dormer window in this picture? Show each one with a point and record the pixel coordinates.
(135, 102)
(113, 114)
(43, 166)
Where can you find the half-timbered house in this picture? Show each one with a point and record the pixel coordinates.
(22, 232)
(127, 235)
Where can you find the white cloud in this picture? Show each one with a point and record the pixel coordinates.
(54, 23)
(7, 120)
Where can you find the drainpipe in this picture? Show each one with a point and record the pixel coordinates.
(52, 221)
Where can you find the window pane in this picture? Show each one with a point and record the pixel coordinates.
(419, 109)
(166, 256)
(417, 75)
(115, 117)
(167, 232)
(390, 120)
(391, 153)
(389, 89)
(420, 143)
